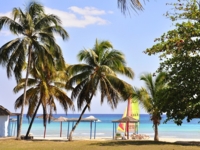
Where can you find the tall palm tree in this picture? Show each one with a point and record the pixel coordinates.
(99, 73)
(44, 87)
(124, 5)
(151, 98)
(35, 31)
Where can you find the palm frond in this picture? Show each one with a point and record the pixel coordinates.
(80, 68)
(149, 82)
(14, 27)
(62, 98)
(57, 30)
(7, 48)
(125, 5)
(34, 9)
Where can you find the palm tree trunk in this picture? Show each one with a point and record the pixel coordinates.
(24, 98)
(30, 125)
(79, 119)
(45, 130)
(156, 132)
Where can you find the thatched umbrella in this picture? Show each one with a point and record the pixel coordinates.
(47, 116)
(60, 119)
(127, 120)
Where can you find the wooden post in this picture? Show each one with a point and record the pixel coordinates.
(113, 131)
(128, 114)
(94, 129)
(68, 130)
(60, 128)
(90, 129)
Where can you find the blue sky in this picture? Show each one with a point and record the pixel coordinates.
(88, 20)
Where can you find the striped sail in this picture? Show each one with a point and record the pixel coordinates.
(133, 111)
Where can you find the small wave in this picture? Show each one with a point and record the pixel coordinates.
(168, 136)
(93, 133)
(100, 133)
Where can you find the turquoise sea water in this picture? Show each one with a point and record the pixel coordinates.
(104, 128)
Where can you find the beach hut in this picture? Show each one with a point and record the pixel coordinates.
(5, 121)
(60, 119)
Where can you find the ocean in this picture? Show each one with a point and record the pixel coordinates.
(104, 128)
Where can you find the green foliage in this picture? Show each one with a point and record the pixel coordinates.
(35, 45)
(98, 73)
(179, 52)
(151, 97)
(36, 31)
(44, 88)
(118, 134)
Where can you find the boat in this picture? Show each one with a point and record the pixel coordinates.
(133, 111)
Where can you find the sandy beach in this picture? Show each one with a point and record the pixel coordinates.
(172, 140)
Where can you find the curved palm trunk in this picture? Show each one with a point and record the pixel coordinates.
(156, 132)
(45, 130)
(79, 119)
(30, 125)
(24, 98)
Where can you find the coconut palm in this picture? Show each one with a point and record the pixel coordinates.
(44, 88)
(35, 37)
(151, 97)
(124, 5)
(98, 73)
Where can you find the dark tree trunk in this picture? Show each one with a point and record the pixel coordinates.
(24, 98)
(156, 132)
(45, 130)
(32, 119)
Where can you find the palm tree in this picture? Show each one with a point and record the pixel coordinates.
(35, 37)
(44, 88)
(124, 5)
(99, 73)
(151, 97)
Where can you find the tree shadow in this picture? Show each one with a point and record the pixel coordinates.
(127, 142)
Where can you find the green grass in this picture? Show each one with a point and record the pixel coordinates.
(94, 145)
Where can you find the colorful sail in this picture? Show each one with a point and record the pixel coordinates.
(133, 111)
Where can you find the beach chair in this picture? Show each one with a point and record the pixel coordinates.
(118, 136)
(139, 136)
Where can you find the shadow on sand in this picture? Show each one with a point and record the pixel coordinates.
(126, 143)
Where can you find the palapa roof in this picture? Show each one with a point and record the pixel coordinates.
(87, 119)
(63, 119)
(6, 112)
(127, 119)
(60, 119)
(47, 116)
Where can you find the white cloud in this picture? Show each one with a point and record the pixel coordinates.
(8, 14)
(87, 10)
(75, 17)
(79, 17)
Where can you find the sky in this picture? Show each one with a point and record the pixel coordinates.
(88, 20)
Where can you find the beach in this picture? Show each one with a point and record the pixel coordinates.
(171, 140)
